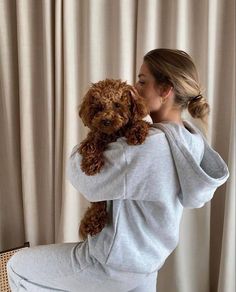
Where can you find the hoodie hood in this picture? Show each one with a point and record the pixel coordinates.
(200, 169)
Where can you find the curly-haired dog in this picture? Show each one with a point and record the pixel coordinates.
(111, 109)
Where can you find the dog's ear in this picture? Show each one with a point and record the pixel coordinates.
(84, 110)
(139, 108)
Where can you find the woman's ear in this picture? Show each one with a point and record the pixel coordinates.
(165, 90)
(139, 108)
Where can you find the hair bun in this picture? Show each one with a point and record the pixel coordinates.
(198, 106)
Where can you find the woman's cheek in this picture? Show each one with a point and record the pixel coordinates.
(140, 91)
(155, 105)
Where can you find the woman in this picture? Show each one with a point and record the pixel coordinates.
(146, 187)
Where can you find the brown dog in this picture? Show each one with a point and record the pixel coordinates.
(111, 109)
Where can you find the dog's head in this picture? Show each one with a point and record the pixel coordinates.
(111, 104)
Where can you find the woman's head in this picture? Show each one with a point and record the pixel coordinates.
(168, 79)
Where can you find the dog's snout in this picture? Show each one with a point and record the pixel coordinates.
(106, 122)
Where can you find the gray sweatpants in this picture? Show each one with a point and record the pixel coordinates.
(69, 267)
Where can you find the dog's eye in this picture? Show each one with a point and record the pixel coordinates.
(117, 105)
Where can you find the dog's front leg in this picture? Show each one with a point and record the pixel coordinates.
(92, 160)
(137, 132)
(91, 150)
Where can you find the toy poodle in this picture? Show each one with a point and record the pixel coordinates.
(110, 109)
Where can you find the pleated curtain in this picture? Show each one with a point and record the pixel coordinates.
(50, 52)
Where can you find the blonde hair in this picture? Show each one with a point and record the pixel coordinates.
(176, 68)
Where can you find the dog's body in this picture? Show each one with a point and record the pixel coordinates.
(111, 109)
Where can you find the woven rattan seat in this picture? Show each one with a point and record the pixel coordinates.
(4, 258)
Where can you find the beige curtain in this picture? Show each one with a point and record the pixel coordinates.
(50, 50)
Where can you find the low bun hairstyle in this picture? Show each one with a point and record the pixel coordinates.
(176, 68)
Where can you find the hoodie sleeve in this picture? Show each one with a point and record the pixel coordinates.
(135, 172)
(108, 184)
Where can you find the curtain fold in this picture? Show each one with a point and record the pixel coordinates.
(50, 51)
(227, 255)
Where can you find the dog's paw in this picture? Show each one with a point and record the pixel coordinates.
(87, 148)
(92, 165)
(94, 220)
(138, 133)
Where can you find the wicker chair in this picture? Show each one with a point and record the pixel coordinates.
(4, 257)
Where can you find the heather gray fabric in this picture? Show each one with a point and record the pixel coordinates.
(69, 267)
(146, 188)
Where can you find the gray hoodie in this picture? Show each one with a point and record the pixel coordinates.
(146, 187)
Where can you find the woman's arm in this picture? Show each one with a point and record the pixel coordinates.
(140, 172)
(109, 183)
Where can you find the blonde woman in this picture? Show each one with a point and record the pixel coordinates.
(146, 188)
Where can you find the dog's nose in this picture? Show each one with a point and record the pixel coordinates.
(106, 122)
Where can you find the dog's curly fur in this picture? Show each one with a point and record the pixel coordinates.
(111, 109)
